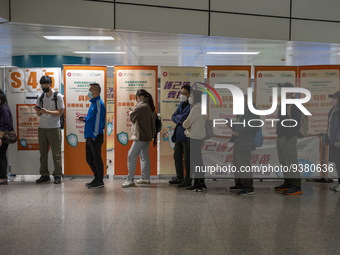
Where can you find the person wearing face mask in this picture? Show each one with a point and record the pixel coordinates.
(143, 118)
(333, 134)
(94, 135)
(182, 143)
(195, 130)
(49, 134)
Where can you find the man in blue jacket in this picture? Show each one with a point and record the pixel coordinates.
(182, 143)
(94, 129)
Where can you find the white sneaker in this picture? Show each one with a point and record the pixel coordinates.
(337, 189)
(128, 183)
(143, 181)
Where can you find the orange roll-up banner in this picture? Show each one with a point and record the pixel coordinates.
(235, 75)
(76, 83)
(320, 81)
(127, 80)
(267, 77)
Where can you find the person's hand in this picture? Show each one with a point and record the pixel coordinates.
(43, 110)
(81, 119)
(337, 144)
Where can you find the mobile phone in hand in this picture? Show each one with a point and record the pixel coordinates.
(37, 107)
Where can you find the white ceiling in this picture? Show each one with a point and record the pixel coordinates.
(160, 49)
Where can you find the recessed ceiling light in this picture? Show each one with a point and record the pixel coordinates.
(99, 52)
(82, 38)
(233, 52)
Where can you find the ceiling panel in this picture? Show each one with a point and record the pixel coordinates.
(160, 49)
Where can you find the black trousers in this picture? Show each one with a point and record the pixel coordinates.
(182, 149)
(334, 156)
(196, 160)
(94, 156)
(3, 161)
(242, 158)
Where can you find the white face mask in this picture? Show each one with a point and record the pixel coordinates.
(190, 100)
(183, 98)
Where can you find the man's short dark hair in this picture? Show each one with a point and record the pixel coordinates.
(45, 80)
(98, 88)
(187, 87)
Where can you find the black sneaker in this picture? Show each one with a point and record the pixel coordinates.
(184, 184)
(96, 185)
(197, 188)
(175, 181)
(57, 180)
(43, 179)
(89, 183)
(235, 188)
(204, 187)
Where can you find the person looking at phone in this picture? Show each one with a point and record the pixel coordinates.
(49, 134)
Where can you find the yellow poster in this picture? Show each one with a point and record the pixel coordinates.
(172, 79)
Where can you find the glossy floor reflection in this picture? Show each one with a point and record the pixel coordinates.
(163, 219)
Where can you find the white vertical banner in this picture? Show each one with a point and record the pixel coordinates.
(172, 79)
(15, 80)
(238, 76)
(320, 81)
(267, 78)
(54, 73)
(32, 78)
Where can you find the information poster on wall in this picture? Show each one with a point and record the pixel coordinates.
(27, 79)
(267, 78)
(320, 81)
(238, 76)
(129, 79)
(27, 127)
(77, 80)
(172, 79)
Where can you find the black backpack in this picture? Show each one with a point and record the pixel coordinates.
(158, 125)
(55, 96)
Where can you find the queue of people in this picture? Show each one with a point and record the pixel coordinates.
(188, 137)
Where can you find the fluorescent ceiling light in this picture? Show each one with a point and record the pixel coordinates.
(233, 52)
(99, 52)
(83, 38)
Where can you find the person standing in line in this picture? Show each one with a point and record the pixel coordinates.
(333, 135)
(6, 124)
(195, 131)
(286, 145)
(243, 137)
(49, 109)
(182, 143)
(94, 135)
(143, 118)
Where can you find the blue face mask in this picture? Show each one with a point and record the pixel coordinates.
(89, 94)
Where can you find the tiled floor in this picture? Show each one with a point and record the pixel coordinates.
(163, 219)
